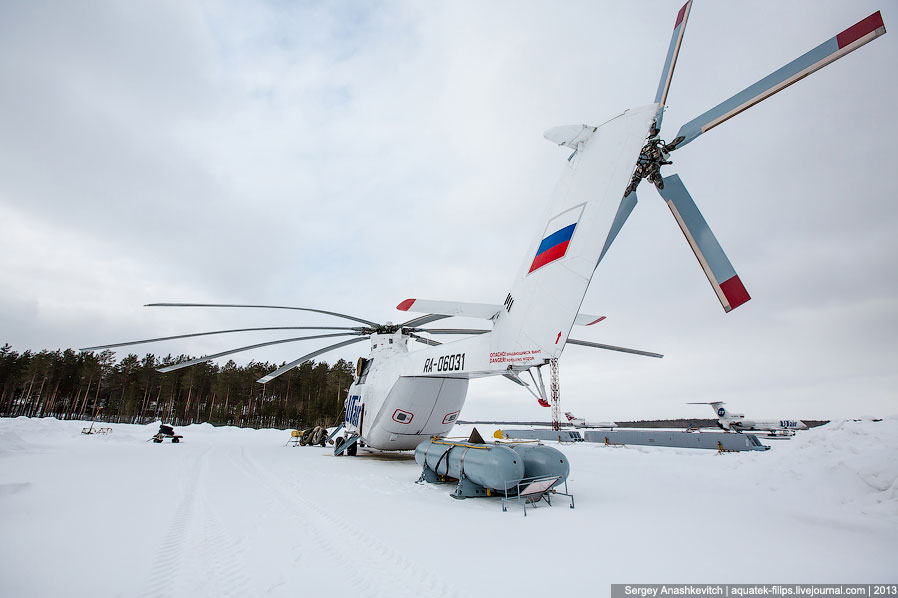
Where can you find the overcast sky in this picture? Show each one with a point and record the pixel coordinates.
(350, 155)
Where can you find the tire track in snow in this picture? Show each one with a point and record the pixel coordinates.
(170, 555)
(222, 557)
(315, 551)
(372, 566)
(197, 557)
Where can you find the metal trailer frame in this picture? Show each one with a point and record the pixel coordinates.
(534, 489)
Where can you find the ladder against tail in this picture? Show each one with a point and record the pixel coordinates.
(399, 396)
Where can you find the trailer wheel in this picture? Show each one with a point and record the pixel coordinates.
(353, 450)
(305, 438)
(175, 440)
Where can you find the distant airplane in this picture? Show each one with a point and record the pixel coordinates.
(579, 422)
(736, 422)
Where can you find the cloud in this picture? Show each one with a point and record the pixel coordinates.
(347, 157)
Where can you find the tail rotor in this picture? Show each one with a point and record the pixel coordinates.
(656, 152)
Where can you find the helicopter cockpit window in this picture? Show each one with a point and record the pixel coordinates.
(366, 367)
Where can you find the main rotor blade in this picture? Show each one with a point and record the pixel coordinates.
(829, 51)
(671, 61)
(426, 341)
(168, 338)
(452, 331)
(614, 348)
(305, 358)
(717, 267)
(319, 311)
(421, 320)
(185, 364)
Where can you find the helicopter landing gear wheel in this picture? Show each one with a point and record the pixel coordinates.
(319, 435)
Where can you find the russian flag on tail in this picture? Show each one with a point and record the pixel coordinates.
(556, 238)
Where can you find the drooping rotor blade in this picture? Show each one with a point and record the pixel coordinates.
(168, 338)
(297, 362)
(426, 341)
(627, 203)
(829, 51)
(452, 331)
(319, 311)
(714, 261)
(421, 320)
(671, 60)
(185, 364)
(614, 348)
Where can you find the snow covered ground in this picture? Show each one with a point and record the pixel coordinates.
(233, 512)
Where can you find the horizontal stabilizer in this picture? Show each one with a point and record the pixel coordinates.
(587, 320)
(714, 261)
(829, 51)
(485, 311)
(569, 135)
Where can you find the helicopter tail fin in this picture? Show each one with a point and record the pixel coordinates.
(570, 236)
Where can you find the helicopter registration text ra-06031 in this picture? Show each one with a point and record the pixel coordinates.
(445, 363)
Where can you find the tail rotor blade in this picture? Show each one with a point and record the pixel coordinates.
(191, 362)
(305, 358)
(623, 212)
(318, 311)
(829, 51)
(714, 262)
(671, 60)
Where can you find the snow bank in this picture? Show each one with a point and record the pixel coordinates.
(234, 512)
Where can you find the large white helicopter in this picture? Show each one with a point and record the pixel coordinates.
(400, 397)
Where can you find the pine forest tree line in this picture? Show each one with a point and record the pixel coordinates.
(77, 385)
